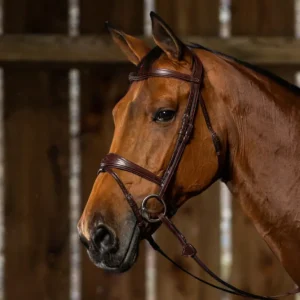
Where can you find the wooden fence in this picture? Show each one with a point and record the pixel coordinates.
(37, 54)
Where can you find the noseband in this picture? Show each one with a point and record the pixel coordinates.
(144, 217)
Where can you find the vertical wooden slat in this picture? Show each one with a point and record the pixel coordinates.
(263, 18)
(200, 218)
(191, 17)
(255, 268)
(100, 90)
(36, 163)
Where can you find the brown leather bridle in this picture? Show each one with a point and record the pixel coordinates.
(144, 217)
(115, 161)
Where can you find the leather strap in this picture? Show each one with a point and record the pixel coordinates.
(140, 221)
(163, 73)
(189, 250)
(156, 247)
(113, 160)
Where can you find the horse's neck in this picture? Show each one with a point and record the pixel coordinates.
(264, 154)
(265, 161)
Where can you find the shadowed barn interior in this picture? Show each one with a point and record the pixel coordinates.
(61, 76)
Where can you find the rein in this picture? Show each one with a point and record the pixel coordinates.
(144, 217)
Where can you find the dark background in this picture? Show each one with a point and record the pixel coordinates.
(39, 198)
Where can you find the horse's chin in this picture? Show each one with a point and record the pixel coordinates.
(118, 262)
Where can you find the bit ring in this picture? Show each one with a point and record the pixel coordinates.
(145, 213)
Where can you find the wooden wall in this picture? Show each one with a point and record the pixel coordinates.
(36, 128)
(36, 163)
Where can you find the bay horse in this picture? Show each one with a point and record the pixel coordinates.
(243, 128)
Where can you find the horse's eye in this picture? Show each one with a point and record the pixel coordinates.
(164, 115)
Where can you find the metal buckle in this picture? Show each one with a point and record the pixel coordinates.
(145, 213)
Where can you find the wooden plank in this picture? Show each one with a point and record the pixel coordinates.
(287, 72)
(190, 16)
(255, 268)
(101, 88)
(127, 15)
(199, 219)
(36, 164)
(263, 18)
(89, 50)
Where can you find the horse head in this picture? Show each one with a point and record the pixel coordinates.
(148, 121)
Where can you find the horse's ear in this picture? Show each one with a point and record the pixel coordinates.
(134, 48)
(165, 38)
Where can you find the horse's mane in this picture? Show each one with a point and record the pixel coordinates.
(291, 87)
(156, 52)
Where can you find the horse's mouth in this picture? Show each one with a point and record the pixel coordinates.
(114, 262)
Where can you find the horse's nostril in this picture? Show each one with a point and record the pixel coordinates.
(103, 238)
